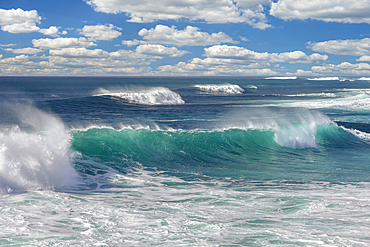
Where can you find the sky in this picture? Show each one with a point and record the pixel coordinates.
(316, 38)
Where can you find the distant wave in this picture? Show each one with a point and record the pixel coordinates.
(223, 88)
(152, 96)
(364, 79)
(324, 79)
(282, 78)
(329, 95)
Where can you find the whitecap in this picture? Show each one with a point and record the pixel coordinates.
(324, 79)
(222, 88)
(152, 96)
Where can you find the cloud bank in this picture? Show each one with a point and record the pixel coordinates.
(145, 11)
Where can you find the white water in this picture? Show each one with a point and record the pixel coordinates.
(324, 79)
(357, 102)
(36, 156)
(152, 96)
(223, 88)
(211, 213)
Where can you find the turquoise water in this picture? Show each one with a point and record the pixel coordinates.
(184, 161)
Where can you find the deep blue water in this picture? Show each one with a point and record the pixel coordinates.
(188, 161)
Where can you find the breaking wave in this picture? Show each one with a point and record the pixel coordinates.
(152, 96)
(223, 88)
(35, 155)
(282, 78)
(324, 79)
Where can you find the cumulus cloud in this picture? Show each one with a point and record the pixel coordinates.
(212, 11)
(21, 21)
(82, 52)
(101, 32)
(52, 31)
(189, 36)
(27, 50)
(344, 68)
(131, 42)
(212, 66)
(15, 60)
(240, 53)
(60, 43)
(354, 47)
(349, 11)
(160, 50)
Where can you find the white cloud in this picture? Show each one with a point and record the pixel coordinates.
(52, 31)
(212, 11)
(160, 50)
(23, 21)
(345, 68)
(348, 11)
(7, 45)
(212, 66)
(101, 32)
(15, 60)
(240, 53)
(27, 50)
(131, 42)
(60, 43)
(189, 36)
(79, 52)
(364, 59)
(19, 21)
(354, 47)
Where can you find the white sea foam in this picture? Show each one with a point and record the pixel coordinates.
(222, 88)
(151, 96)
(38, 157)
(324, 79)
(282, 78)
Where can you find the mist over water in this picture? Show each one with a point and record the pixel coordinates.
(158, 161)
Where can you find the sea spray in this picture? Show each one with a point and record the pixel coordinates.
(35, 154)
(293, 128)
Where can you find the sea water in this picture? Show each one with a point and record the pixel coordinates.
(184, 161)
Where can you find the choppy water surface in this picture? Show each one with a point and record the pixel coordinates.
(184, 161)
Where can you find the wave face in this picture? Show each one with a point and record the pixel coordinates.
(36, 155)
(153, 96)
(223, 88)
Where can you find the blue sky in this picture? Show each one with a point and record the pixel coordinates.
(314, 38)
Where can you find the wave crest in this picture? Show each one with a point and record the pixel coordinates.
(224, 88)
(152, 96)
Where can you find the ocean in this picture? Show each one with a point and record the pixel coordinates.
(184, 161)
